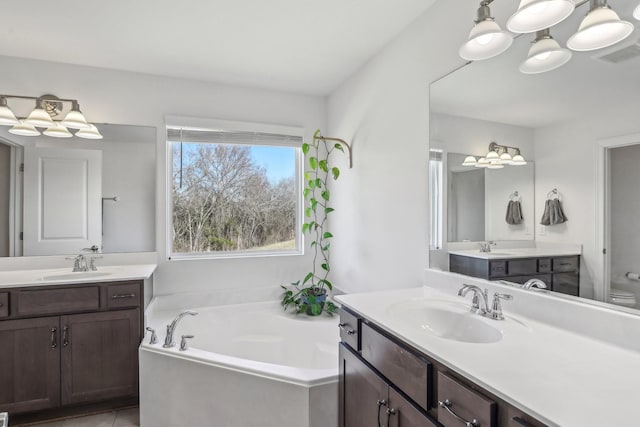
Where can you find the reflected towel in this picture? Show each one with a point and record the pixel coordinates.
(514, 213)
(553, 213)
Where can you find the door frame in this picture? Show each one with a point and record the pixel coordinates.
(602, 257)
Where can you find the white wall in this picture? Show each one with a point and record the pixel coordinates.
(130, 98)
(5, 184)
(465, 205)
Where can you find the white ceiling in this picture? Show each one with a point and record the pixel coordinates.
(494, 89)
(299, 46)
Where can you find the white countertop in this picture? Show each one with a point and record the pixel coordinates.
(57, 276)
(560, 377)
(497, 253)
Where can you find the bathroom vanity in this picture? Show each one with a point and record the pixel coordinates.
(70, 338)
(419, 358)
(560, 271)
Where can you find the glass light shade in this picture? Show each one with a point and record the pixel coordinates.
(601, 27)
(545, 55)
(89, 133)
(58, 131)
(75, 120)
(518, 160)
(636, 12)
(493, 158)
(24, 129)
(7, 118)
(39, 117)
(495, 166)
(469, 161)
(482, 163)
(486, 40)
(536, 15)
(505, 158)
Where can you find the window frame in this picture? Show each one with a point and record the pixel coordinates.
(216, 124)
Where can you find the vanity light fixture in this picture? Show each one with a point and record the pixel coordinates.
(536, 15)
(602, 27)
(546, 54)
(47, 108)
(636, 12)
(497, 157)
(486, 38)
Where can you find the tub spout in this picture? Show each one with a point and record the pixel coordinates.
(168, 341)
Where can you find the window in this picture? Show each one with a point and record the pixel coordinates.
(435, 197)
(234, 193)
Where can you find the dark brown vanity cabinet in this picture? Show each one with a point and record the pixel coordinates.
(561, 274)
(386, 382)
(66, 345)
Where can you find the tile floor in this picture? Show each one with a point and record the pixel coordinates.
(122, 418)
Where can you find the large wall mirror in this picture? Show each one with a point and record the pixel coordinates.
(63, 196)
(557, 120)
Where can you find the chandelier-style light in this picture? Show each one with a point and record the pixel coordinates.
(497, 157)
(602, 27)
(47, 107)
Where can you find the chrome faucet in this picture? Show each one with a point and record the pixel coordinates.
(79, 263)
(534, 284)
(480, 302)
(168, 340)
(478, 295)
(486, 246)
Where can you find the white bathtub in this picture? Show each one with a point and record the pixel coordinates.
(248, 365)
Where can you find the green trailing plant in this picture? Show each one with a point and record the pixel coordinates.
(309, 295)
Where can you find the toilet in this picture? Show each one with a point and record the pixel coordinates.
(623, 298)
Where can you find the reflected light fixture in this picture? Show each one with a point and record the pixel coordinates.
(636, 12)
(486, 38)
(497, 157)
(47, 108)
(536, 15)
(546, 54)
(602, 27)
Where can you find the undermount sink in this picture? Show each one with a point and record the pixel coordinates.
(75, 276)
(447, 320)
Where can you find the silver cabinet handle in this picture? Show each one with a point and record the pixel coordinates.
(154, 337)
(54, 337)
(121, 296)
(447, 406)
(65, 336)
(381, 403)
(343, 326)
(184, 345)
(390, 411)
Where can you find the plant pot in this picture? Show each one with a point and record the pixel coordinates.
(319, 299)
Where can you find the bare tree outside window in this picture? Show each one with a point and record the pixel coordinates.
(231, 198)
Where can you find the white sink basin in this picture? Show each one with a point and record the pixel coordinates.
(80, 275)
(447, 320)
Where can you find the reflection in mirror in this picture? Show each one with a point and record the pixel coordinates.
(558, 119)
(65, 196)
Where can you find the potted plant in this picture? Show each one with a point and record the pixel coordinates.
(309, 295)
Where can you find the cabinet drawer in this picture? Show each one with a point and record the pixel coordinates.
(125, 295)
(566, 283)
(49, 301)
(498, 268)
(405, 414)
(464, 403)
(565, 264)
(349, 329)
(544, 265)
(518, 267)
(4, 304)
(410, 373)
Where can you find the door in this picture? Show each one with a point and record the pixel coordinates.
(62, 200)
(99, 355)
(29, 364)
(363, 394)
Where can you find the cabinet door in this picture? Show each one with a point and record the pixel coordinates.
(99, 355)
(360, 390)
(404, 414)
(29, 364)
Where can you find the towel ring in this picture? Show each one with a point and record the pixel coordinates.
(552, 193)
(514, 195)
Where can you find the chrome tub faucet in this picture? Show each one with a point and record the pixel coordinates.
(168, 341)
